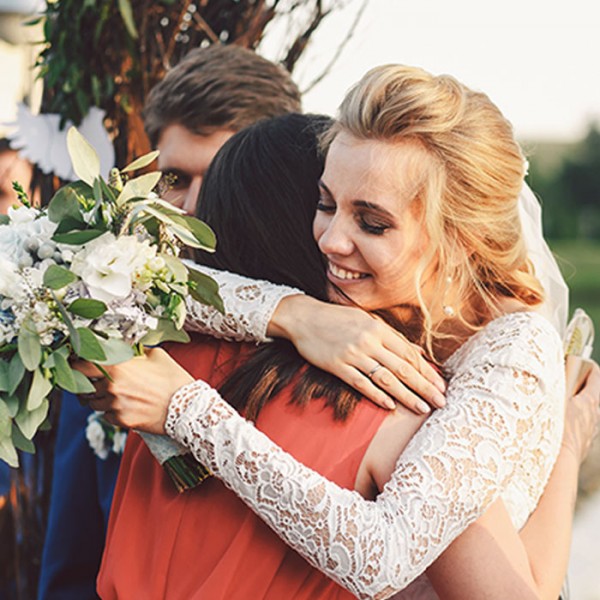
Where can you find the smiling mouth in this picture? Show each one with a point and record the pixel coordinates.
(345, 274)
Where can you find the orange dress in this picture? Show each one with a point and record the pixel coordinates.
(205, 544)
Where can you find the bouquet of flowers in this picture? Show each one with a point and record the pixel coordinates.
(95, 275)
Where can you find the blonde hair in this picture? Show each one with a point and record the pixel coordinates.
(469, 195)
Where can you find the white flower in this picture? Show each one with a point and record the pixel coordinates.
(94, 432)
(21, 214)
(9, 277)
(21, 238)
(12, 244)
(108, 265)
(119, 439)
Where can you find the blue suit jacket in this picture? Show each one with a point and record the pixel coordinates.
(82, 491)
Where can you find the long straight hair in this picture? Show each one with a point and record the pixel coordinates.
(259, 195)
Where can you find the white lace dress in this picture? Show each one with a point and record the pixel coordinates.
(499, 435)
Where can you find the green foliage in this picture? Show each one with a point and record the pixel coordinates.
(30, 347)
(88, 308)
(22, 196)
(57, 277)
(80, 70)
(579, 261)
(569, 188)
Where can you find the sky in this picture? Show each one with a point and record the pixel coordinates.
(539, 60)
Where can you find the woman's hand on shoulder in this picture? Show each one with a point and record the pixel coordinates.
(137, 393)
(361, 350)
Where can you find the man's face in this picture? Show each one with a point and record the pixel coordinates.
(184, 158)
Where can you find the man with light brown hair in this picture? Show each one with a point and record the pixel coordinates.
(210, 95)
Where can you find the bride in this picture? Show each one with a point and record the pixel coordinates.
(418, 217)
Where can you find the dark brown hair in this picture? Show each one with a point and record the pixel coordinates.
(259, 195)
(224, 87)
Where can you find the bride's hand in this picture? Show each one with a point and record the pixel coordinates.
(138, 393)
(361, 350)
(583, 416)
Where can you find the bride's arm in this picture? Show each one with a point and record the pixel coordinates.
(345, 341)
(505, 407)
(454, 468)
(490, 555)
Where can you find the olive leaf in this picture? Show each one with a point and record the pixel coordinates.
(86, 163)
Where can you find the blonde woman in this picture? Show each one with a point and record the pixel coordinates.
(418, 218)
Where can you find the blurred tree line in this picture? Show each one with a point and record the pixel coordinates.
(567, 180)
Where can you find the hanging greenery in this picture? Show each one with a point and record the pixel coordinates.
(109, 53)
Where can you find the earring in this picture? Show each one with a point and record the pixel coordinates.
(447, 308)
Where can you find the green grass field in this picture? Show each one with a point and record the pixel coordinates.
(580, 265)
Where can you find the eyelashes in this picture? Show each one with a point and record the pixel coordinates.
(372, 228)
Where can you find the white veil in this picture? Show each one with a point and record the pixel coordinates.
(556, 305)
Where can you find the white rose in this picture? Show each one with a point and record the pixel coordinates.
(108, 265)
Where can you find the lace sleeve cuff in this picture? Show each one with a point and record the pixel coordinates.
(249, 306)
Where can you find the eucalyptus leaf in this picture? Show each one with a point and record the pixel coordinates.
(68, 224)
(77, 238)
(7, 452)
(177, 268)
(160, 214)
(66, 202)
(16, 371)
(165, 332)
(82, 384)
(88, 308)
(180, 313)
(4, 219)
(63, 373)
(166, 207)
(141, 162)
(139, 187)
(12, 402)
(57, 277)
(3, 375)
(5, 420)
(40, 388)
(21, 442)
(30, 346)
(205, 290)
(91, 348)
(29, 420)
(117, 351)
(86, 163)
(201, 231)
(187, 237)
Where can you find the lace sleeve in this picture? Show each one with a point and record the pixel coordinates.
(249, 305)
(455, 466)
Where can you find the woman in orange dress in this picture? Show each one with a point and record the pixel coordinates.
(205, 543)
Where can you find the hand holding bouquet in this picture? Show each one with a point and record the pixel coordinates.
(95, 275)
(579, 342)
